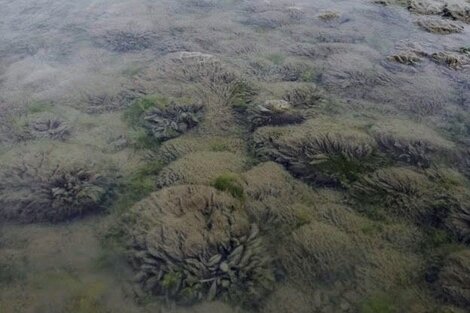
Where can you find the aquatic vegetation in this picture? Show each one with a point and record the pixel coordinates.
(200, 168)
(216, 79)
(457, 10)
(269, 19)
(321, 151)
(230, 183)
(403, 192)
(46, 126)
(297, 71)
(458, 220)
(127, 40)
(439, 26)
(274, 199)
(305, 96)
(162, 118)
(35, 189)
(172, 120)
(272, 112)
(191, 243)
(174, 149)
(454, 277)
(406, 57)
(288, 299)
(409, 142)
(426, 7)
(453, 60)
(96, 103)
(319, 252)
(328, 16)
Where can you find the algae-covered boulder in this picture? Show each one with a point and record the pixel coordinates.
(38, 189)
(321, 151)
(200, 168)
(454, 278)
(192, 243)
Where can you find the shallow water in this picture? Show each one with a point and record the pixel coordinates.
(87, 63)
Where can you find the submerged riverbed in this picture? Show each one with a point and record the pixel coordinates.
(234, 156)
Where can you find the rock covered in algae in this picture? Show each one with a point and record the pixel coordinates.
(191, 243)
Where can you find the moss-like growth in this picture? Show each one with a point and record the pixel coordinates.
(409, 142)
(123, 41)
(453, 60)
(454, 278)
(176, 148)
(274, 199)
(159, 119)
(317, 253)
(200, 168)
(36, 189)
(406, 57)
(403, 193)
(439, 26)
(272, 112)
(321, 151)
(305, 96)
(191, 243)
(230, 183)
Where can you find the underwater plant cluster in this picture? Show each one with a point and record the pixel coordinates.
(237, 156)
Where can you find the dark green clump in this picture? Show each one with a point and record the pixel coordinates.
(230, 183)
(156, 119)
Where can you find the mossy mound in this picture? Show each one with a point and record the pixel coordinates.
(439, 26)
(454, 278)
(403, 193)
(37, 189)
(318, 253)
(200, 168)
(275, 200)
(191, 243)
(176, 148)
(161, 118)
(44, 126)
(320, 151)
(409, 142)
(272, 112)
(287, 299)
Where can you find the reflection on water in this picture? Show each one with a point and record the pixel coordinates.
(234, 156)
